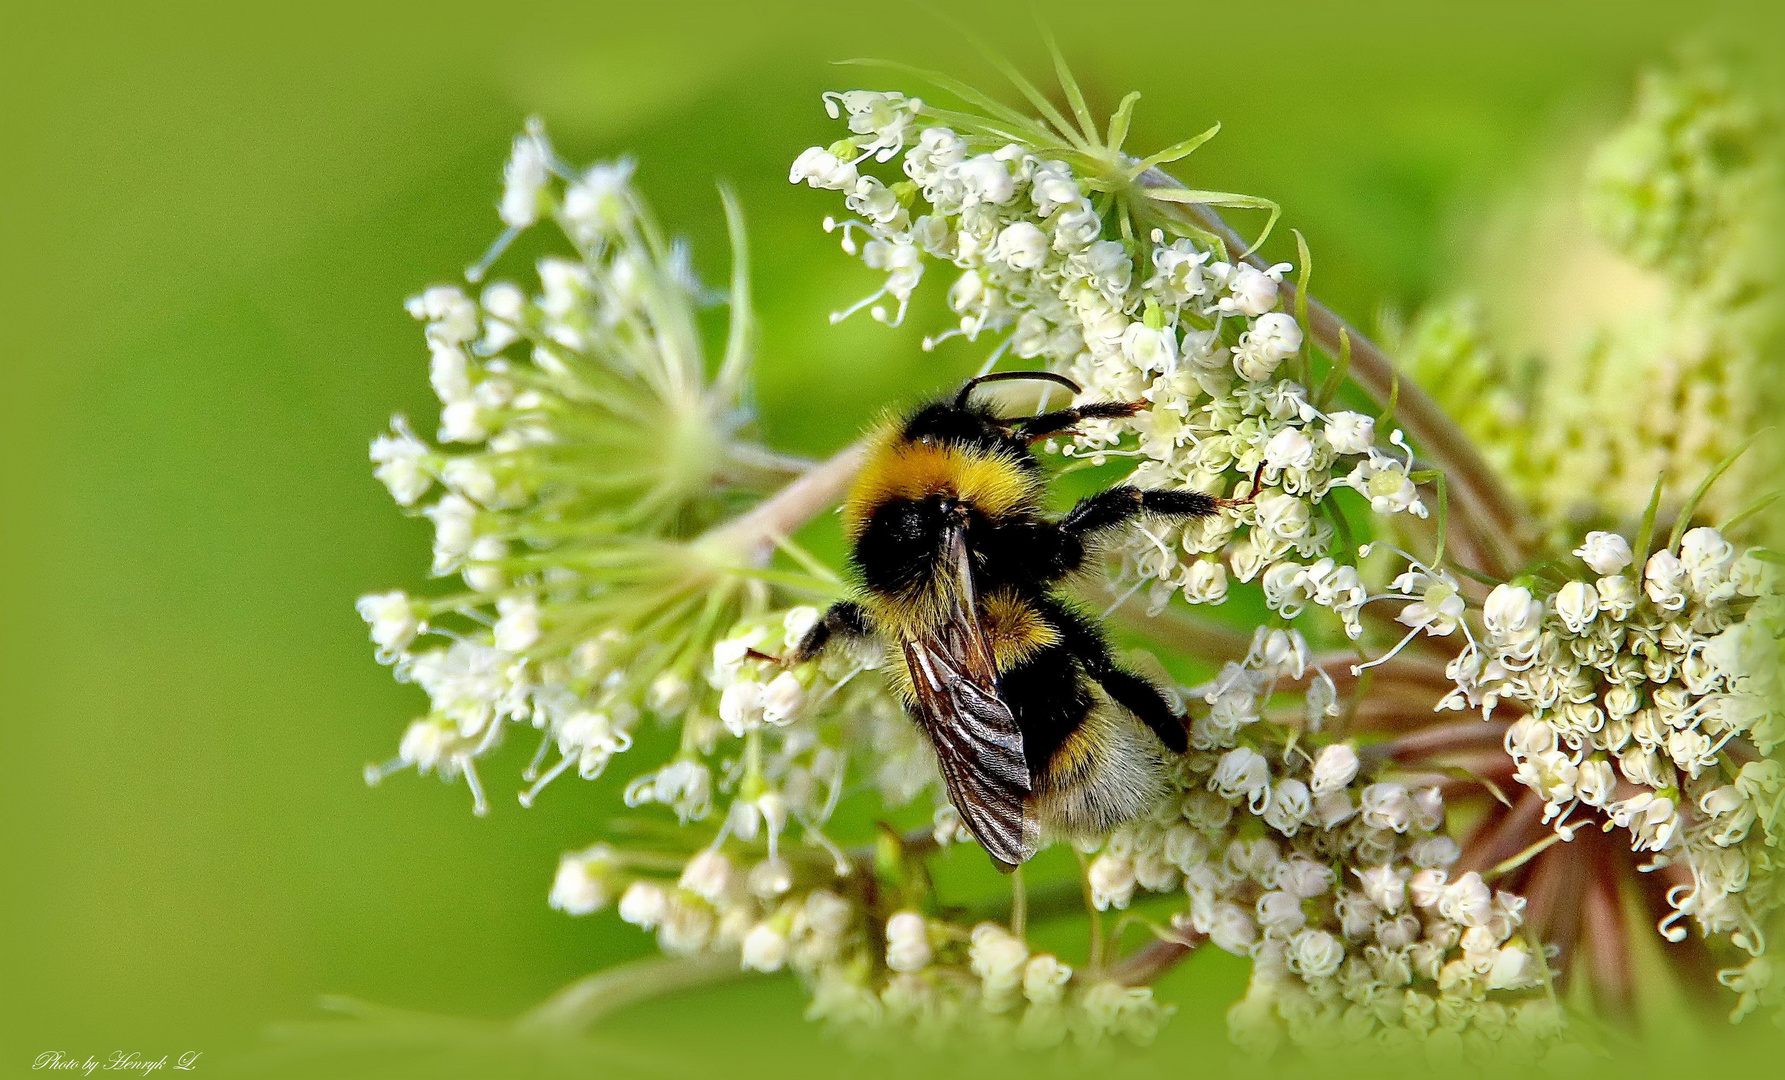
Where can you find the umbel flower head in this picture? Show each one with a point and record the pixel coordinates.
(1625, 692)
(586, 448)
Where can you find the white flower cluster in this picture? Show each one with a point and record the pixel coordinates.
(1339, 886)
(586, 604)
(1654, 701)
(1170, 321)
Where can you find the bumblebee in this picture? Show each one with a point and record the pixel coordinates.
(1035, 727)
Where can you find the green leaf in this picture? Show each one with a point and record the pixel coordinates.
(1757, 506)
(1336, 377)
(1118, 124)
(1234, 200)
(1301, 306)
(1685, 519)
(1029, 91)
(1074, 96)
(1646, 536)
(1176, 151)
(741, 333)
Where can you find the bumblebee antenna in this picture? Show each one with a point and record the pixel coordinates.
(960, 401)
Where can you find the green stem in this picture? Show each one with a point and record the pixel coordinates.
(593, 998)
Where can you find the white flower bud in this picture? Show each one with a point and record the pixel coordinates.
(1280, 913)
(1022, 245)
(1112, 881)
(907, 941)
(782, 698)
(1290, 806)
(1350, 432)
(1466, 901)
(581, 885)
(1664, 578)
(708, 875)
(1242, 771)
(999, 959)
(1315, 954)
(1205, 582)
(1303, 877)
(1576, 605)
(644, 904)
(1334, 768)
(1384, 886)
(765, 948)
(797, 623)
(1605, 552)
(393, 620)
(1231, 929)
(518, 627)
(1045, 979)
(741, 706)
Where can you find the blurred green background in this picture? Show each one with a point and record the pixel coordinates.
(209, 218)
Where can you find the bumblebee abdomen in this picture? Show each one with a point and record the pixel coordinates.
(1107, 771)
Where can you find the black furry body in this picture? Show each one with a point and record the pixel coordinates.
(959, 565)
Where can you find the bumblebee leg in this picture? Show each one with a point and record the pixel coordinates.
(1132, 692)
(1146, 702)
(1044, 424)
(845, 620)
(1117, 506)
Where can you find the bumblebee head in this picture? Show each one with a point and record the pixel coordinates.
(962, 422)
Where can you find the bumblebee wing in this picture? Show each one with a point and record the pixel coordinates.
(978, 744)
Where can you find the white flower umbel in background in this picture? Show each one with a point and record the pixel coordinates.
(1652, 701)
(588, 458)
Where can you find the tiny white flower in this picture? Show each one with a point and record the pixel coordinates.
(1315, 954)
(1387, 805)
(401, 461)
(1334, 768)
(741, 706)
(581, 886)
(644, 904)
(1254, 291)
(782, 698)
(765, 948)
(595, 204)
(797, 623)
(1205, 582)
(1045, 979)
(524, 178)
(1022, 245)
(1664, 580)
(1577, 603)
(393, 619)
(517, 629)
(1272, 339)
(1289, 449)
(907, 942)
(1605, 552)
(1350, 432)
(1112, 881)
(449, 313)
